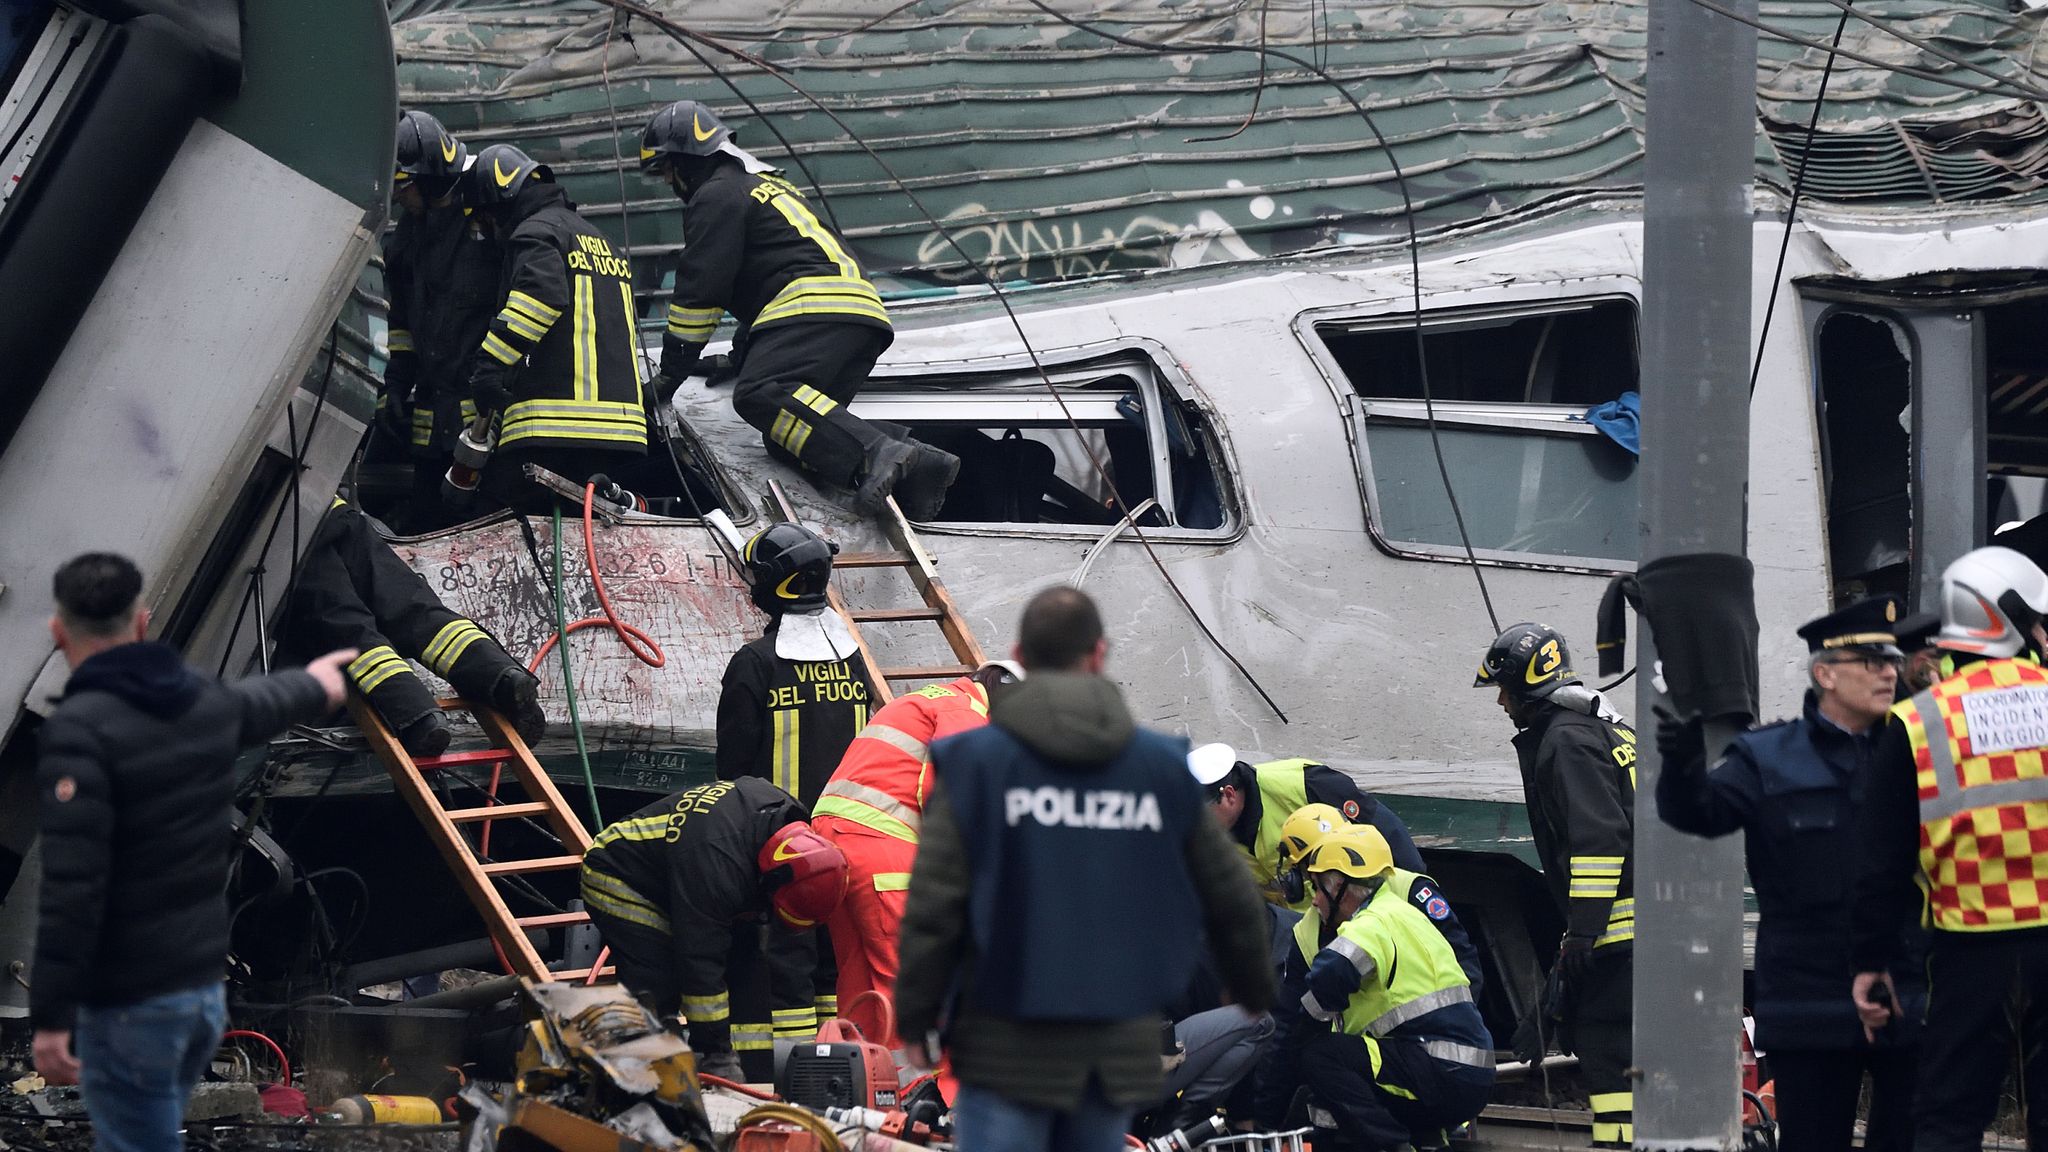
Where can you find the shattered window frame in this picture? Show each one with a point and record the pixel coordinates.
(1360, 412)
(903, 392)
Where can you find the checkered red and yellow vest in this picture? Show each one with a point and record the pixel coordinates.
(1983, 796)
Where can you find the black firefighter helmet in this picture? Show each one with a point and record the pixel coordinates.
(684, 128)
(1529, 660)
(791, 566)
(429, 157)
(500, 173)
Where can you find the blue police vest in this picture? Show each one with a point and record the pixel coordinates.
(1081, 906)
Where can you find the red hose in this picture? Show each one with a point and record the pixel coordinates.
(284, 1064)
(742, 1089)
(639, 643)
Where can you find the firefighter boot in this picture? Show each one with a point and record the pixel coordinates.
(426, 736)
(517, 696)
(882, 466)
(921, 490)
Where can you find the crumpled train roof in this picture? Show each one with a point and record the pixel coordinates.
(1051, 153)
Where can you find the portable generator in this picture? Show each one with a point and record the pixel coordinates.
(841, 1069)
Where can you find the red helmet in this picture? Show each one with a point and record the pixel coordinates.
(805, 874)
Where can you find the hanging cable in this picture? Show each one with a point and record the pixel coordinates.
(619, 167)
(678, 32)
(1792, 209)
(1414, 253)
(1258, 93)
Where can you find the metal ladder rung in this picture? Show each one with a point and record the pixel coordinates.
(926, 672)
(865, 615)
(553, 920)
(872, 560)
(495, 812)
(536, 864)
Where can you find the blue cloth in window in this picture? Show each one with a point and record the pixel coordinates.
(1621, 419)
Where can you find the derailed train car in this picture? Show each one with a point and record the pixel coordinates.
(1206, 287)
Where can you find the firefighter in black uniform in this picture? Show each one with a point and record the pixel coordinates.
(441, 272)
(791, 702)
(1579, 781)
(681, 890)
(354, 591)
(1792, 788)
(810, 324)
(556, 362)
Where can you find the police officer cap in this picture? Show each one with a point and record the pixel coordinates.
(1868, 625)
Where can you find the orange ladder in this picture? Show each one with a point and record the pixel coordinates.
(910, 556)
(478, 874)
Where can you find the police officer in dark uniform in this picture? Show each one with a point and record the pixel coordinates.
(557, 361)
(811, 326)
(682, 891)
(353, 591)
(1579, 777)
(1793, 788)
(441, 272)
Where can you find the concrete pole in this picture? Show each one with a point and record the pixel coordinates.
(1697, 242)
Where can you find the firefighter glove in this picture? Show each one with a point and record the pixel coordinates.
(394, 418)
(490, 395)
(678, 358)
(1680, 743)
(401, 374)
(1575, 956)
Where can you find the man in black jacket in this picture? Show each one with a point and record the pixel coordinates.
(136, 782)
(1578, 765)
(810, 324)
(1066, 873)
(1793, 788)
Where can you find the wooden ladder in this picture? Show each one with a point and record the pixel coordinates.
(910, 556)
(478, 875)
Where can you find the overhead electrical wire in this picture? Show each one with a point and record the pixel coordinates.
(677, 31)
(1414, 246)
(1792, 209)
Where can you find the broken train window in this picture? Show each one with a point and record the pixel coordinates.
(1536, 479)
(1021, 461)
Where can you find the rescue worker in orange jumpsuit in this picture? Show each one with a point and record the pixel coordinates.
(870, 810)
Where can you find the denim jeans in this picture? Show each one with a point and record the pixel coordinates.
(984, 1121)
(138, 1063)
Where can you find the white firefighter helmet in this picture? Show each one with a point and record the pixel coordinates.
(1990, 600)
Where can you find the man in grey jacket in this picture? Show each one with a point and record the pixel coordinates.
(135, 782)
(1067, 874)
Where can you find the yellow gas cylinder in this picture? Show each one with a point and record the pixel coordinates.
(384, 1110)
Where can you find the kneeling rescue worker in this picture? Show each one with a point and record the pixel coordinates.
(680, 889)
(1377, 1014)
(811, 326)
(1306, 830)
